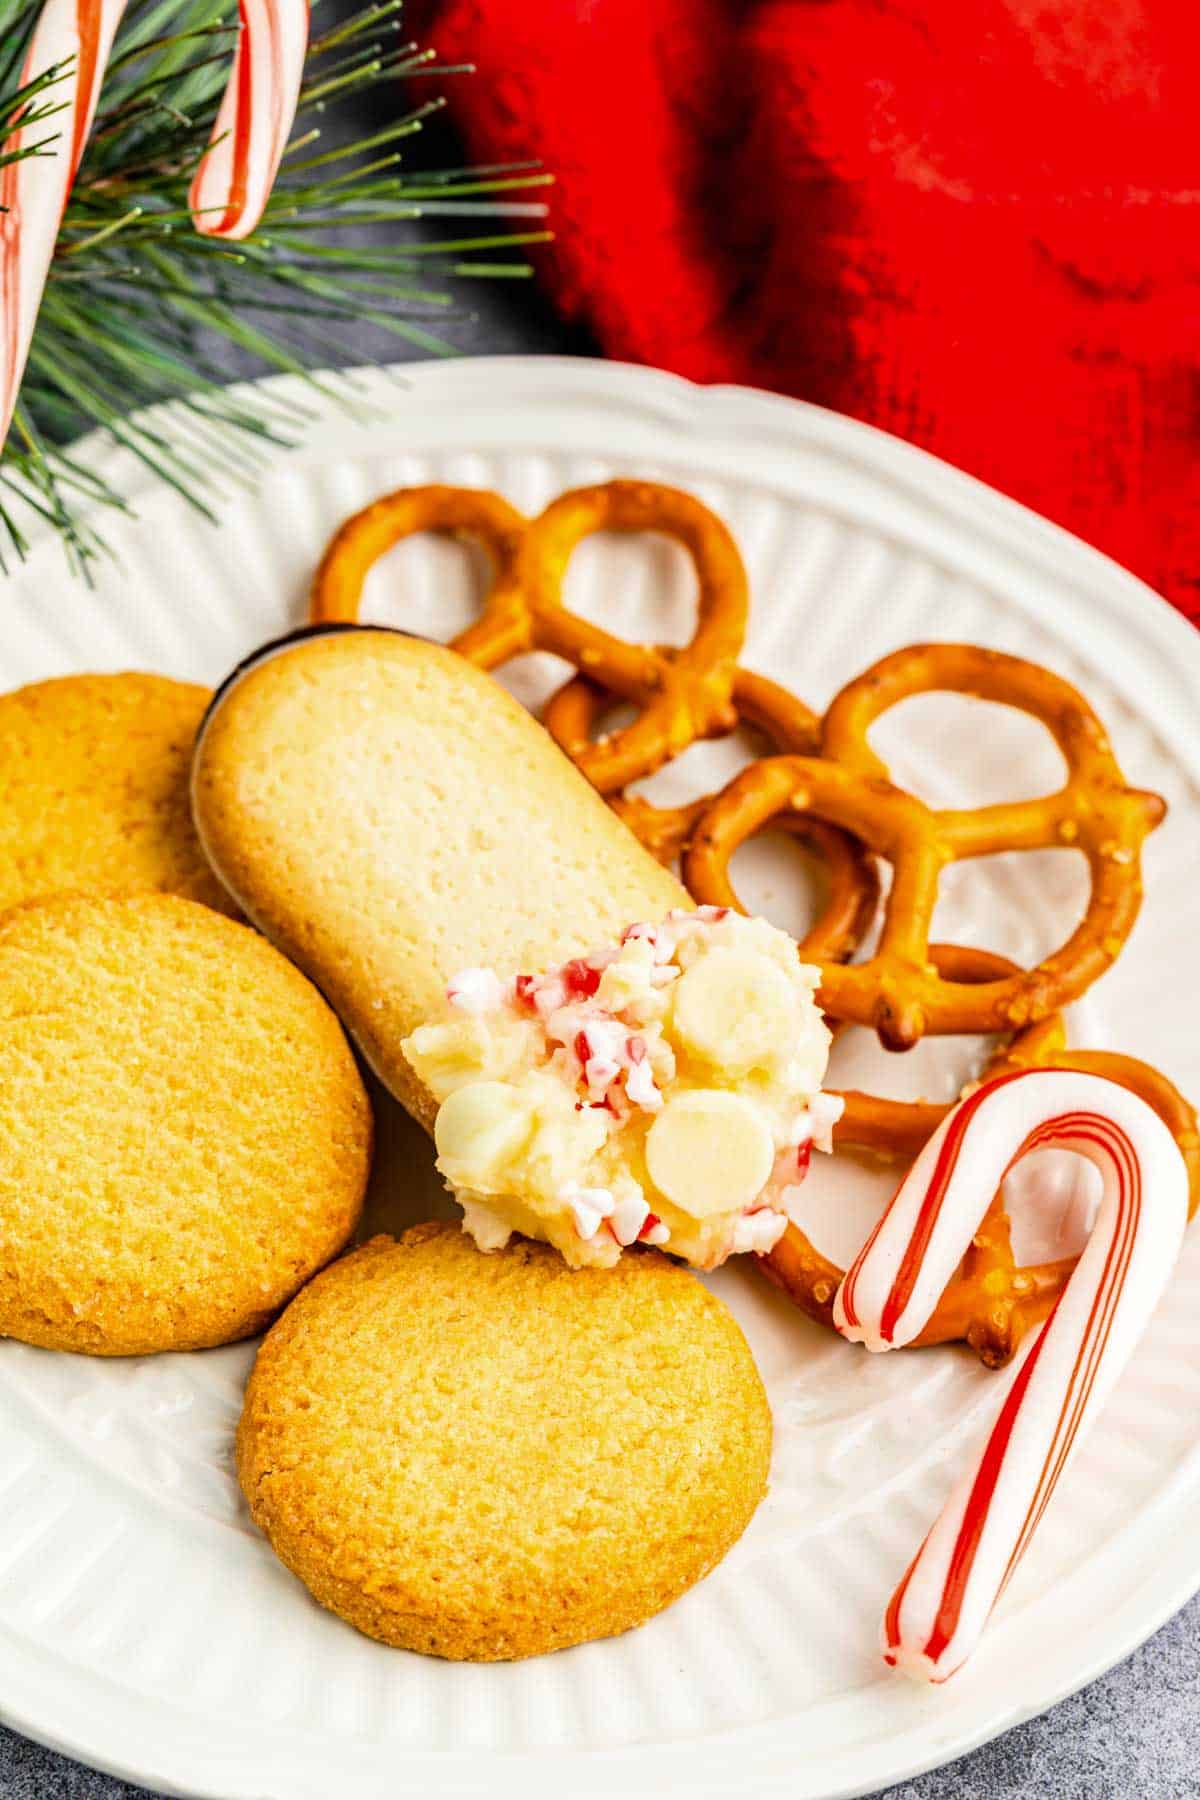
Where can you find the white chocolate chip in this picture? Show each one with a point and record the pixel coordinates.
(484, 1123)
(736, 1009)
(564, 1094)
(709, 1151)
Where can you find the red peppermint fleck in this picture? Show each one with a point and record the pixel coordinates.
(580, 979)
(581, 1047)
(648, 1224)
(803, 1158)
(523, 989)
(635, 1050)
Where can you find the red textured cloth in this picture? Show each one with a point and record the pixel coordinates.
(976, 225)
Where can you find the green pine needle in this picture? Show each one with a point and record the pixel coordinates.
(136, 300)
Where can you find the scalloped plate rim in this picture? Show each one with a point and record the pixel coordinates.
(75, 1717)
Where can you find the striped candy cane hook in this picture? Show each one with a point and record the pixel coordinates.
(33, 192)
(938, 1612)
(236, 175)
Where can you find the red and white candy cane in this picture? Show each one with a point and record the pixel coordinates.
(939, 1610)
(33, 192)
(234, 180)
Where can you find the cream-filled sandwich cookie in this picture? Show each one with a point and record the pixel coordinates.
(665, 1089)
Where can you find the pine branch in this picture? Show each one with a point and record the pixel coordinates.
(136, 300)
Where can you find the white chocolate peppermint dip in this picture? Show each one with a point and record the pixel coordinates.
(665, 1090)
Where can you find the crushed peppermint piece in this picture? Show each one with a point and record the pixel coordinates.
(581, 978)
(549, 995)
(628, 1218)
(824, 1112)
(587, 1220)
(475, 991)
(814, 1126)
(599, 1058)
(641, 1088)
(758, 1232)
(589, 1207)
(600, 1074)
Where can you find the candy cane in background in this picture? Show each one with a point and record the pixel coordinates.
(33, 191)
(938, 1612)
(235, 177)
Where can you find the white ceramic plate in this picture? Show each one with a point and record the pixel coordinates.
(146, 1628)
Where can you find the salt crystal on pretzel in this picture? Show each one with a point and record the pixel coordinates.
(236, 174)
(939, 1610)
(75, 35)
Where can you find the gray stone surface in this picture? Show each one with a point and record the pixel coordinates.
(1131, 1736)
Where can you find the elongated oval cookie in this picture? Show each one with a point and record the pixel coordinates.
(388, 815)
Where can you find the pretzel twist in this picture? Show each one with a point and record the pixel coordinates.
(571, 716)
(828, 787)
(991, 1303)
(681, 695)
(502, 629)
(899, 990)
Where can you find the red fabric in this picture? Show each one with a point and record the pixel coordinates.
(976, 225)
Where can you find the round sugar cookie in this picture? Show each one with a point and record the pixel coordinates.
(94, 773)
(186, 1135)
(486, 1457)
